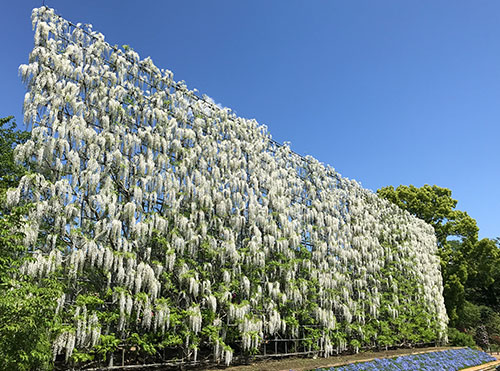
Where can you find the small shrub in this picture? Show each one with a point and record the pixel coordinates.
(457, 338)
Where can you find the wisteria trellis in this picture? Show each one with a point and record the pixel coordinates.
(172, 209)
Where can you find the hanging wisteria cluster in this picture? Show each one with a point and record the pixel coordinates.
(171, 216)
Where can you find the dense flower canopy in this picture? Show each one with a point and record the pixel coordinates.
(180, 216)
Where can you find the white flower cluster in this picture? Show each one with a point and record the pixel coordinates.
(140, 180)
(88, 329)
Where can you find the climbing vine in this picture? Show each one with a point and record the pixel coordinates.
(181, 230)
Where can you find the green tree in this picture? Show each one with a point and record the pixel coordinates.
(435, 206)
(10, 171)
(10, 174)
(27, 306)
(456, 234)
(483, 284)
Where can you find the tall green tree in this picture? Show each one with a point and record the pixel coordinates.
(483, 284)
(435, 206)
(27, 306)
(456, 234)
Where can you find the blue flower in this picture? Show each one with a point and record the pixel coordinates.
(447, 360)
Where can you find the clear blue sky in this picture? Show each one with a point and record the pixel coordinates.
(387, 92)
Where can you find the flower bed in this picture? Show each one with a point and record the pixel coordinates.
(452, 359)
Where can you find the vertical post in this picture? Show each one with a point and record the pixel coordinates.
(275, 346)
(110, 363)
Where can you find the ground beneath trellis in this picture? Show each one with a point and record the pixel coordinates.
(306, 364)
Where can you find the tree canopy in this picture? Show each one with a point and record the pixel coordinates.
(434, 205)
(470, 267)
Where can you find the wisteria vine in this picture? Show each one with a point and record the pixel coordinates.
(181, 218)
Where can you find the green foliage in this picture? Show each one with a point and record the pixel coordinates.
(81, 357)
(456, 234)
(457, 338)
(88, 300)
(490, 319)
(435, 206)
(469, 316)
(142, 343)
(10, 171)
(27, 307)
(27, 324)
(470, 268)
(483, 284)
(27, 321)
(107, 345)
